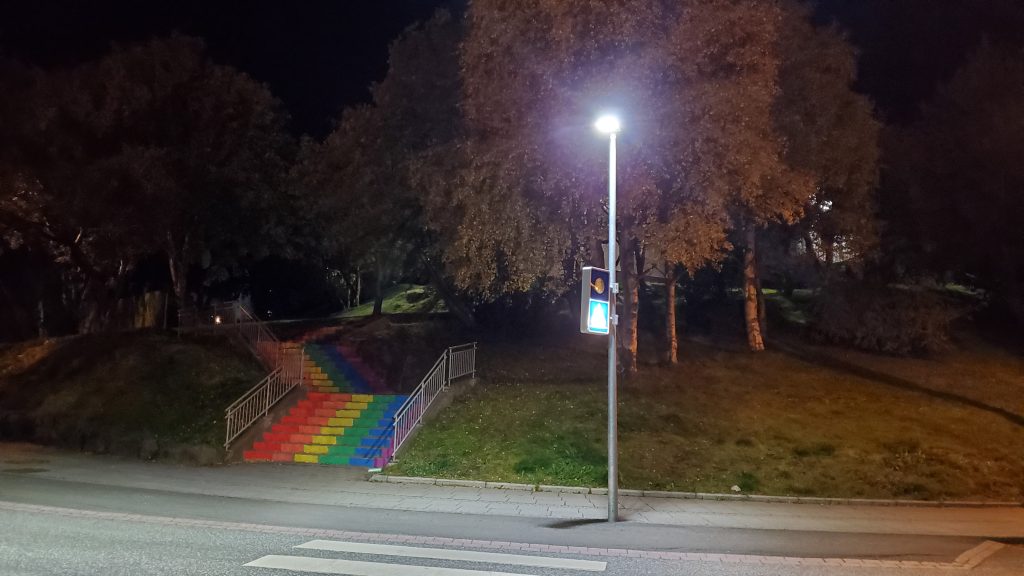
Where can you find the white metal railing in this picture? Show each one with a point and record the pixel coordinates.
(285, 364)
(259, 338)
(258, 401)
(454, 363)
(235, 316)
(461, 361)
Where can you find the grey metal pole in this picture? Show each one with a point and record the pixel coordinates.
(613, 451)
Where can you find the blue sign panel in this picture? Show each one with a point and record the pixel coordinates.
(597, 318)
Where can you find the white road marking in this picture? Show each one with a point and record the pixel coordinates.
(975, 556)
(354, 568)
(458, 555)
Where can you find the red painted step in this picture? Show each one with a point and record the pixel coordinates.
(296, 429)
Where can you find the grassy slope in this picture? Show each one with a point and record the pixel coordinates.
(131, 393)
(771, 423)
(402, 299)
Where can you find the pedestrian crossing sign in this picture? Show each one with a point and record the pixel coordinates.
(595, 302)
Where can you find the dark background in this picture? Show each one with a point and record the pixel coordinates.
(320, 55)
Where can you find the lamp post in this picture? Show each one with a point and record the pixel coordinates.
(610, 125)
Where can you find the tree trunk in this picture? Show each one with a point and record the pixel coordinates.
(180, 283)
(750, 307)
(359, 287)
(762, 310)
(455, 305)
(378, 297)
(671, 333)
(179, 270)
(631, 289)
(42, 320)
(811, 253)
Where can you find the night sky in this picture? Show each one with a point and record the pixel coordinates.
(316, 55)
(321, 55)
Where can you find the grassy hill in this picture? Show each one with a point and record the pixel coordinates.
(403, 299)
(150, 395)
(814, 421)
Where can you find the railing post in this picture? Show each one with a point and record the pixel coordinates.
(302, 365)
(227, 428)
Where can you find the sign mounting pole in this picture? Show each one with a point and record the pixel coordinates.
(613, 451)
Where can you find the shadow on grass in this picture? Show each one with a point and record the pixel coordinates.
(834, 363)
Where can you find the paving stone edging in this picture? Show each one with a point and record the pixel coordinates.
(693, 495)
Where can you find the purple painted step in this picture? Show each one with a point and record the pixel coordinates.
(369, 374)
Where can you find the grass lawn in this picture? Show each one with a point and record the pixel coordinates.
(402, 299)
(137, 393)
(863, 426)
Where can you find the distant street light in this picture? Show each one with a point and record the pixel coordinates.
(611, 126)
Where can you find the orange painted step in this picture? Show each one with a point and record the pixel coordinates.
(337, 396)
(305, 412)
(314, 404)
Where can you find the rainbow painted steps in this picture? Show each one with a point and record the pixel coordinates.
(341, 366)
(344, 418)
(332, 428)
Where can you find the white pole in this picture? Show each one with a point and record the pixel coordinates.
(613, 465)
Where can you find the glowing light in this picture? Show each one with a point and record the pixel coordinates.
(608, 124)
(216, 319)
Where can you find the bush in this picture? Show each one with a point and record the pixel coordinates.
(889, 319)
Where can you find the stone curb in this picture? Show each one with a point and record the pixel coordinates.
(695, 495)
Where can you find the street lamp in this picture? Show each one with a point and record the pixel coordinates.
(611, 126)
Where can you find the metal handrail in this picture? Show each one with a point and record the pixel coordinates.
(455, 362)
(284, 374)
(259, 399)
(234, 315)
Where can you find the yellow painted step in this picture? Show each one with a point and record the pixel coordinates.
(362, 398)
(325, 440)
(317, 376)
(356, 406)
(339, 424)
(307, 458)
(347, 413)
(314, 449)
(333, 430)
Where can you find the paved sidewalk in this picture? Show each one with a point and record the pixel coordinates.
(346, 487)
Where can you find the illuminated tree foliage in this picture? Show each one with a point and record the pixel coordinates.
(722, 132)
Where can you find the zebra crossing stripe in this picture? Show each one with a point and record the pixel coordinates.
(457, 555)
(356, 568)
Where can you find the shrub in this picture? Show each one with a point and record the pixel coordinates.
(888, 319)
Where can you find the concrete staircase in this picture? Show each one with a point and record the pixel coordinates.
(343, 418)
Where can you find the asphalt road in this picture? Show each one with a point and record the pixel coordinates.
(167, 536)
